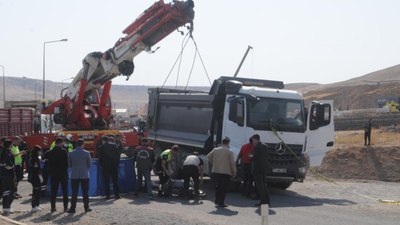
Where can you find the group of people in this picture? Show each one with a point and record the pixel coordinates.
(65, 153)
(254, 164)
(11, 169)
(56, 160)
(167, 166)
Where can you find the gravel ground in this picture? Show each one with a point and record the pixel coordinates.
(128, 210)
(354, 201)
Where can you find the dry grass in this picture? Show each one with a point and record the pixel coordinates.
(380, 137)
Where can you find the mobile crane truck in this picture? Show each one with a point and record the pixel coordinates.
(85, 109)
(239, 108)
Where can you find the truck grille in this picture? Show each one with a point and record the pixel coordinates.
(280, 155)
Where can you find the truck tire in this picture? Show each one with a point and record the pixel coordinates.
(281, 185)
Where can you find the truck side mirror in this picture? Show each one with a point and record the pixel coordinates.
(236, 111)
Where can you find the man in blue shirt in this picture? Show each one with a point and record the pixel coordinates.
(80, 161)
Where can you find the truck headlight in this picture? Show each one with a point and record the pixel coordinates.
(303, 170)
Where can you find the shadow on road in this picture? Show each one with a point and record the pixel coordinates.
(224, 212)
(284, 198)
(270, 211)
(288, 198)
(55, 218)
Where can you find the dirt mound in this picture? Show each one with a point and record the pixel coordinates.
(366, 162)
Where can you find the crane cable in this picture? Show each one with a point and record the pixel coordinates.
(197, 52)
(194, 59)
(179, 56)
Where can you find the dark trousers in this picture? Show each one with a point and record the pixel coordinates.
(85, 192)
(247, 178)
(19, 174)
(113, 173)
(261, 185)
(221, 187)
(367, 138)
(191, 171)
(36, 192)
(8, 190)
(55, 180)
(146, 173)
(45, 175)
(163, 187)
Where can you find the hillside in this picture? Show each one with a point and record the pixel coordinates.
(131, 97)
(356, 97)
(357, 93)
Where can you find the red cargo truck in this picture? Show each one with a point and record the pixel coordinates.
(16, 121)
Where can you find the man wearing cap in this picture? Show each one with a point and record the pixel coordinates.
(223, 168)
(165, 170)
(68, 143)
(260, 168)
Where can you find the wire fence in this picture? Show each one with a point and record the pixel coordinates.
(355, 120)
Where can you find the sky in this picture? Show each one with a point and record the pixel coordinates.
(322, 41)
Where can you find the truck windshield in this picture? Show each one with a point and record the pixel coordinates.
(273, 113)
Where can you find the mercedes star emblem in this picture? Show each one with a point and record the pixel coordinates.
(280, 148)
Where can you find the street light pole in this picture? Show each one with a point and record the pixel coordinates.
(4, 87)
(44, 61)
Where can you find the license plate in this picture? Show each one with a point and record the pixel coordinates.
(279, 170)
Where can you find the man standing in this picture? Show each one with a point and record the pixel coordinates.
(57, 163)
(7, 175)
(68, 143)
(118, 142)
(260, 168)
(246, 156)
(193, 167)
(144, 157)
(223, 168)
(80, 162)
(17, 162)
(109, 157)
(367, 132)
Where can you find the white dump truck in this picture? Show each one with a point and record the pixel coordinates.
(239, 108)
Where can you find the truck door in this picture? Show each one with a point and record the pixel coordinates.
(234, 122)
(320, 130)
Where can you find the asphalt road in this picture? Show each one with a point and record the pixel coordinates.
(311, 202)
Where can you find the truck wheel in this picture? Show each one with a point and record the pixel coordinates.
(280, 185)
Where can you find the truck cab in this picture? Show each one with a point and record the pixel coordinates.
(284, 125)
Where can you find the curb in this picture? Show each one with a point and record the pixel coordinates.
(11, 220)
